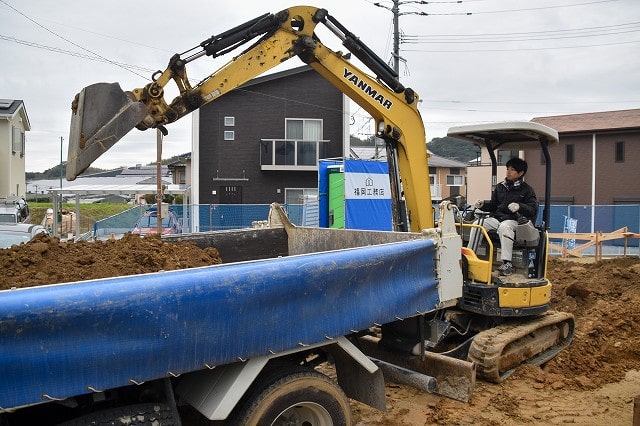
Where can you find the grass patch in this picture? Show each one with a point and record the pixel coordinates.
(89, 213)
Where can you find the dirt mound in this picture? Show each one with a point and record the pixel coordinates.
(605, 298)
(46, 260)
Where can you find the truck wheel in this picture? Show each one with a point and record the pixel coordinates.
(301, 396)
(149, 414)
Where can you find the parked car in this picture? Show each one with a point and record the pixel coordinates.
(18, 233)
(148, 224)
(14, 210)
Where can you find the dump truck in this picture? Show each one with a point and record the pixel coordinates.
(246, 342)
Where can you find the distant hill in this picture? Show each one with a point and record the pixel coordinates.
(54, 172)
(453, 149)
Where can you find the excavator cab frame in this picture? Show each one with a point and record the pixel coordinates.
(518, 135)
(527, 292)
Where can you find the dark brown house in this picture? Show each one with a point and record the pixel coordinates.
(596, 162)
(261, 142)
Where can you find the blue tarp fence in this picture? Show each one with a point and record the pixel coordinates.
(211, 217)
(214, 217)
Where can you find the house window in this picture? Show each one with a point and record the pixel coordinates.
(570, 154)
(229, 135)
(455, 180)
(504, 156)
(306, 131)
(229, 121)
(298, 195)
(620, 152)
(17, 142)
(230, 195)
(300, 149)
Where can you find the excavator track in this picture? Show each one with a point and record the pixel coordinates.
(498, 351)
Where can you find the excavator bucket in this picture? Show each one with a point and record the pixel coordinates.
(101, 115)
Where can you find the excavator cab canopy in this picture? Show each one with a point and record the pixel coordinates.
(511, 135)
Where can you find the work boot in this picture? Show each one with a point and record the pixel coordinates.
(506, 268)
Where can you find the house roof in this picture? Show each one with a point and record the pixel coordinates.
(144, 171)
(119, 189)
(277, 75)
(10, 107)
(436, 161)
(49, 184)
(596, 121)
(369, 153)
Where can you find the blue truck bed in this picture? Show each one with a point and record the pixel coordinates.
(69, 339)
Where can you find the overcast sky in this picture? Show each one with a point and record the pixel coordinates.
(471, 61)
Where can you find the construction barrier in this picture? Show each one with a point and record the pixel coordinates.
(595, 239)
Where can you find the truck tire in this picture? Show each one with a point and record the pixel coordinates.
(156, 414)
(298, 396)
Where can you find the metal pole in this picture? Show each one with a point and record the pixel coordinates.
(60, 211)
(159, 180)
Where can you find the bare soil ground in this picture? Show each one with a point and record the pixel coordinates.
(593, 382)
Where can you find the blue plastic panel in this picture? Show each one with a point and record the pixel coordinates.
(60, 340)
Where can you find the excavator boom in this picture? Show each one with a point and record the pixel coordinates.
(102, 113)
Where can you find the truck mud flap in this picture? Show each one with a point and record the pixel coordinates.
(454, 378)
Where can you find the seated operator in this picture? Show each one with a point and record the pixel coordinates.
(513, 202)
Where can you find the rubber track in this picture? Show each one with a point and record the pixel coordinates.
(487, 346)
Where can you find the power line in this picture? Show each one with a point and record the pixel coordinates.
(544, 7)
(76, 54)
(526, 103)
(422, 13)
(614, 26)
(523, 48)
(69, 41)
(399, 38)
(523, 36)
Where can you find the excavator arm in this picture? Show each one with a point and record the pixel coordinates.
(102, 113)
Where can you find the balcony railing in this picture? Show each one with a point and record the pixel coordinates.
(292, 154)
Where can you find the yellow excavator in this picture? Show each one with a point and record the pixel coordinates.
(498, 323)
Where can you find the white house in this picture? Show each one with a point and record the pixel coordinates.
(14, 123)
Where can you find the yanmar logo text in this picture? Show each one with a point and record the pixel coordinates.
(367, 89)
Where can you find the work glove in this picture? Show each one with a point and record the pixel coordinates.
(479, 204)
(513, 207)
(522, 220)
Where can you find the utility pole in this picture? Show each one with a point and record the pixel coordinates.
(396, 36)
(395, 9)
